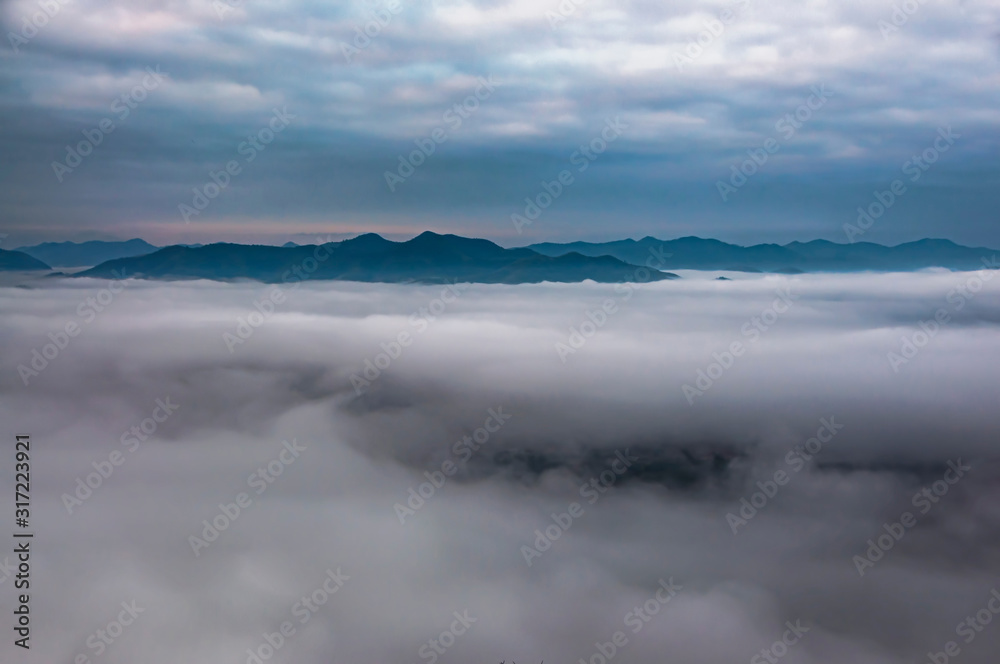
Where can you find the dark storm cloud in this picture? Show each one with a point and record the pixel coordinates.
(687, 127)
(494, 352)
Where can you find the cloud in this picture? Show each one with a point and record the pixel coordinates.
(824, 358)
(605, 59)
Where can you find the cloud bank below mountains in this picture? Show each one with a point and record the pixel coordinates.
(482, 386)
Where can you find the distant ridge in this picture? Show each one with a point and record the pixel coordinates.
(80, 254)
(431, 258)
(427, 258)
(18, 260)
(695, 253)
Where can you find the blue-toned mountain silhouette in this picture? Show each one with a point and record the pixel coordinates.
(427, 258)
(80, 254)
(18, 260)
(817, 256)
(434, 258)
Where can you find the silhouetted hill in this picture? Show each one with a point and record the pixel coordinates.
(427, 258)
(816, 256)
(18, 260)
(79, 254)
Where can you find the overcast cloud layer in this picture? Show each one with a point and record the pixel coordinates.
(893, 82)
(820, 358)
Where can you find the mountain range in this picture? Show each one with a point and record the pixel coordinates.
(431, 258)
(86, 254)
(695, 253)
(427, 258)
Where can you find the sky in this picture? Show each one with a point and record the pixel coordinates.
(119, 119)
(815, 393)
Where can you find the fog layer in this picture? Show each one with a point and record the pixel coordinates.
(641, 416)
